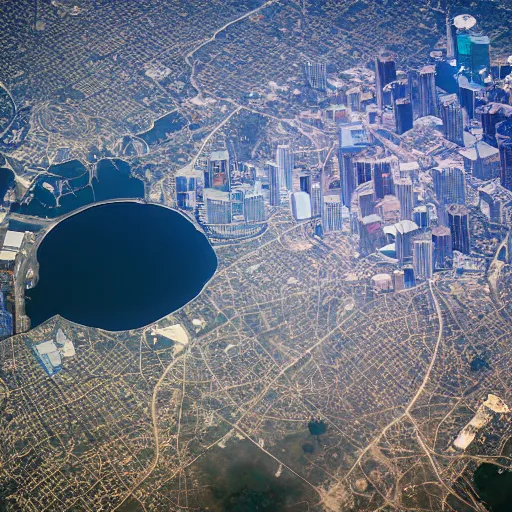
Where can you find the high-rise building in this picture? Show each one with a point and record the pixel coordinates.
(504, 139)
(451, 38)
(284, 160)
(385, 73)
(481, 161)
(254, 208)
(453, 121)
(427, 87)
(352, 140)
(316, 200)
(403, 115)
(301, 206)
(405, 232)
(423, 257)
(382, 177)
(470, 94)
(473, 55)
(217, 175)
(332, 220)
(404, 193)
(449, 185)
(421, 216)
(186, 192)
(305, 182)
(316, 75)
(218, 207)
(363, 169)
(490, 115)
(458, 220)
(443, 251)
(409, 279)
(274, 183)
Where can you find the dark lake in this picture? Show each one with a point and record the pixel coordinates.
(69, 186)
(119, 266)
(494, 488)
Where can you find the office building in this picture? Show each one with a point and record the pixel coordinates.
(470, 94)
(427, 92)
(409, 279)
(473, 55)
(274, 183)
(352, 140)
(481, 161)
(363, 169)
(218, 207)
(371, 234)
(217, 175)
(423, 258)
(405, 231)
(449, 185)
(504, 139)
(254, 208)
(404, 193)
(382, 177)
(453, 121)
(385, 73)
(316, 200)
(332, 220)
(49, 356)
(403, 115)
(420, 216)
(443, 251)
(301, 205)
(305, 182)
(490, 115)
(316, 75)
(186, 192)
(285, 163)
(458, 220)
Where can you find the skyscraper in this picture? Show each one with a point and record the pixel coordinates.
(385, 73)
(254, 208)
(403, 115)
(427, 86)
(332, 214)
(404, 193)
(443, 252)
(504, 139)
(381, 175)
(423, 258)
(217, 175)
(449, 185)
(186, 192)
(218, 207)
(352, 140)
(284, 160)
(451, 115)
(490, 115)
(274, 183)
(405, 231)
(301, 206)
(316, 75)
(458, 220)
(316, 200)
(473, 55)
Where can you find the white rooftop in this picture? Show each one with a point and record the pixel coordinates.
(13, 239)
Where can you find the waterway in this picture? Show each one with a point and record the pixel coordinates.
(119, 266)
